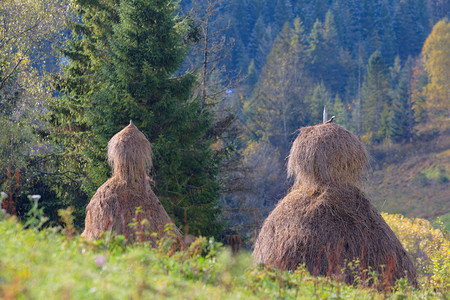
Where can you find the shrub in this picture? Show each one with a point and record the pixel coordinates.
(429, 248)
(421, 180)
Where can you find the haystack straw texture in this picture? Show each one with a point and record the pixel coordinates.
(327, 154)
(114, 205)
(325, 221)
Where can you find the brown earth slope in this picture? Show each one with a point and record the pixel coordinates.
(413, 179)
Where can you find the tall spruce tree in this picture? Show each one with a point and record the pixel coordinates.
(123, 65)
(406, 39)
(256, 38)
(341, 111)
(403, 121)
(324, 55)
(376, 98)
(320, 97)
(282, 14)
(398, 124)
(385, 32)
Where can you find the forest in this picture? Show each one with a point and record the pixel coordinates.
(221, 90)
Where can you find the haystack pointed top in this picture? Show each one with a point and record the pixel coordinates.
(130, 153)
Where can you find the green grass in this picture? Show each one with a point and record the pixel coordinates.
(445, 219)
(47, 264)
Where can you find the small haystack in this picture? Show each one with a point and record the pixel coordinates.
(115, 203)
(325, 222)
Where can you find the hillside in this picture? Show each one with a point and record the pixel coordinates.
(222, 101)
(413, 179)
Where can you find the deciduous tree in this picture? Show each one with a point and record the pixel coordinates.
(436, 54)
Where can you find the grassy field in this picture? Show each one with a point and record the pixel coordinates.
(56, 263)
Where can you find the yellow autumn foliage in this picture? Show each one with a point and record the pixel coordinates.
(429, 248)
(436, 55)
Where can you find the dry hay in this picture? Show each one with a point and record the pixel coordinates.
(325, 221)
(130, 155)
(114, 205)
(326, 154)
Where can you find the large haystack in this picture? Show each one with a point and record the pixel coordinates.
(325, 221)
(115, 203)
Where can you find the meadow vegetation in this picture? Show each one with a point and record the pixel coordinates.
(55, 263)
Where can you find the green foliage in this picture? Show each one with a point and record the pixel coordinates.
(376, 98)
(275, 107)
(443, 222)
(124, 67)
(16, 140)
(399, 121)
(421, 180)
(28, 31)
(442, 178)
(123, 63)
(320, 97)
(324, 55)
(35, 216)
(401, 125)
(341, 112)
(25, 29)
(438, 174)
(2, 211)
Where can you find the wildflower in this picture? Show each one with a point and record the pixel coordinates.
(100, 260)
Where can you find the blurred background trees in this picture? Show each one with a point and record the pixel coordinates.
(218, 87)
(28, 32)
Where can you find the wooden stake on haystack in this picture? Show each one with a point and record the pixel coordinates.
(325, 221)
(325, 116)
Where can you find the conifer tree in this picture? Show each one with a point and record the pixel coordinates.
(320, 8)
(385, 32)
(319, 98)
(324, 54)
(123, 67)
(368, 22)
(376, 98)
(282, 14)
(403, 119)
(406, 40)
(265, 46)
(252, 74)
(275, 108)
(256, 37)
(419, 80)
(398, 124)
(316, 50)
(341, 112)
